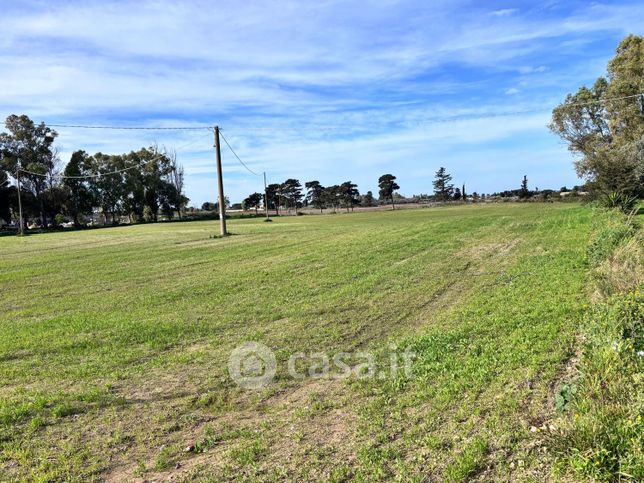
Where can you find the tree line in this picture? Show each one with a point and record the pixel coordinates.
(139, 184)
(292, 195)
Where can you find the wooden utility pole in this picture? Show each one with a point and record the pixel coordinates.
(21, 223)
(220, 187)
(265, 196)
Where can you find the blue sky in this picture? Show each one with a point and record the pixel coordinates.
(327, 90)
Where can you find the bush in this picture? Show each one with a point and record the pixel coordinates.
(626, 203)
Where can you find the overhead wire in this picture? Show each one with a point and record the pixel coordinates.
(134, 128)
(99, 175)
(323, 128)
(235, 154)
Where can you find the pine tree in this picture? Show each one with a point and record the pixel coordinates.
(442, 188)
(524, 192)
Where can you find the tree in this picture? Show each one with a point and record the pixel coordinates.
(332, 196)
(209, 206)
(291, 191)
(457, 194)
(169, 199)
(368, 199)
(349, 194)
(5, 197)
(608, 136)
(29, 147)
(178, 200)
(463, 192)
(155, 168)
(524, 192)
(109, 189)
(253, 201)
(443, 190)
(315, 194)
(80, 199)
(272, 197)
(387, 184)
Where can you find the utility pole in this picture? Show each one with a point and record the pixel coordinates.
(220, 187)
(22, 226)
(265, 196)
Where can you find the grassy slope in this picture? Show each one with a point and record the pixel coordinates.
(114, 343)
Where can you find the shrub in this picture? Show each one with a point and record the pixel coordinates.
(622, 201)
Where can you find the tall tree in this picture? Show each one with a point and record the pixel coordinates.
(178, 200)
(443, 189)
(387, 184)
(524, 192)
(109, 189)
(272, 196)
(608, 136)
(332, 196)
(349, 194)
(29, 147)
(315, 194)
(291, 191)
(79, 195)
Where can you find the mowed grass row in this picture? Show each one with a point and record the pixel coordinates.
(115, 344)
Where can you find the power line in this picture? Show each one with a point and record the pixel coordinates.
(330, 128)
(99, 175)
(238, 158)
(609, 99)
(134, 128)
(92, 176)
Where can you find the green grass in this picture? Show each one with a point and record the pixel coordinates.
(115, 344)
(599, 431)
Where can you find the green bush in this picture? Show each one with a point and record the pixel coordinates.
(624, 202)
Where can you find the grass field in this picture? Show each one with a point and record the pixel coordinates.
(115, 344)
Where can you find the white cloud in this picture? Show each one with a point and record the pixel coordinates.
(505, 12)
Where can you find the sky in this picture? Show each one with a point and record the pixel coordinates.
(326, 90)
